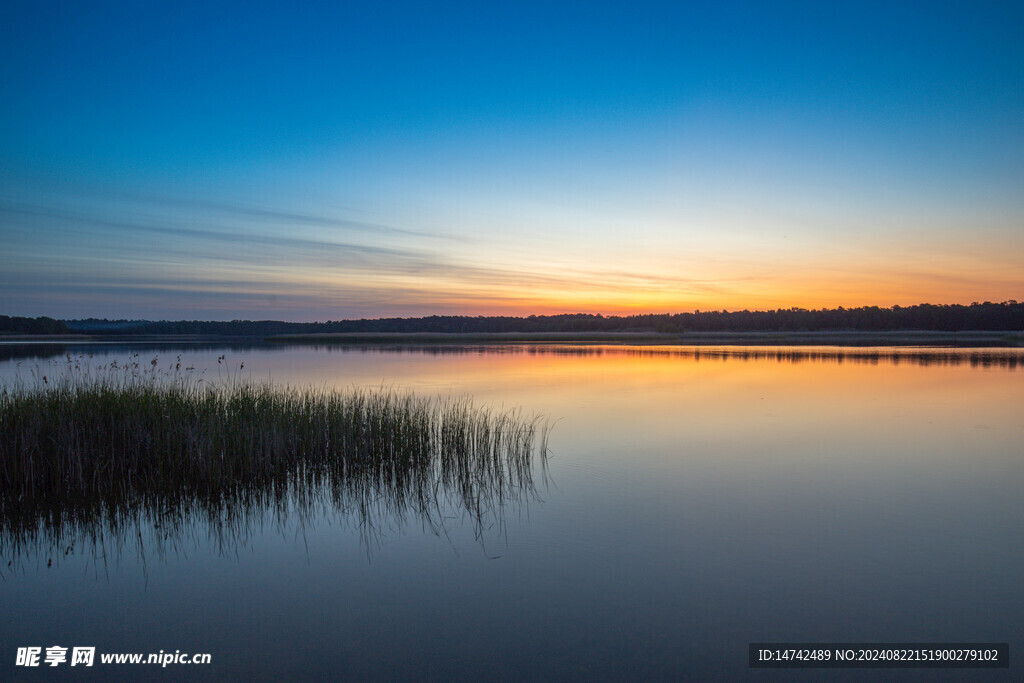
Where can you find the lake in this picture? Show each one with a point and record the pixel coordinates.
(694, 500)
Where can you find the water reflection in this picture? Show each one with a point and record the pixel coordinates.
(44, 350)
(706, 498)
(165, 524)
(1005, 358)
(1009, 358)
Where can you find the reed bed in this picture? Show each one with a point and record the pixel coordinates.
(87, 449)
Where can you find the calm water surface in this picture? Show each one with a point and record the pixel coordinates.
(696, 500)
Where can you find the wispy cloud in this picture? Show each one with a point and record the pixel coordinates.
(158, 256)
(255, 250)
(279, 216)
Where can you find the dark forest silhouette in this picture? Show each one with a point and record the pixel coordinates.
(1005, 316)
(15, 325)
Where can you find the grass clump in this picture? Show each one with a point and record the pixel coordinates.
(92, 447)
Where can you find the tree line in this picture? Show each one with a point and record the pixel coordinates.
(1004, 316)
(18, 325)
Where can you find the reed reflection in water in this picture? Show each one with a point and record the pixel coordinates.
(93, 459)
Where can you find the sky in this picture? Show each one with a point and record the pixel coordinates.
(322, 161)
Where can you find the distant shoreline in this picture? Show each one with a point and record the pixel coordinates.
(986, 324)
(984, 339)
(844, 338)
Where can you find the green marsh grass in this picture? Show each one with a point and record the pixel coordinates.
(89, 452)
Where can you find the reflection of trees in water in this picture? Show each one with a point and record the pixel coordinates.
(1009, 358)
(127, 457)
(1004, 358)
(43, 350)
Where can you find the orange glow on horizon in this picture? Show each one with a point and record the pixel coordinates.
(667, 305)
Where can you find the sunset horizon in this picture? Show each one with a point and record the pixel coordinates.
(407, 160)
(515, 313)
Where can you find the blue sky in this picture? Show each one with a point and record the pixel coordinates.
(257, 160)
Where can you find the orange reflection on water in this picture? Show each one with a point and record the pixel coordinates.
(730, 403)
